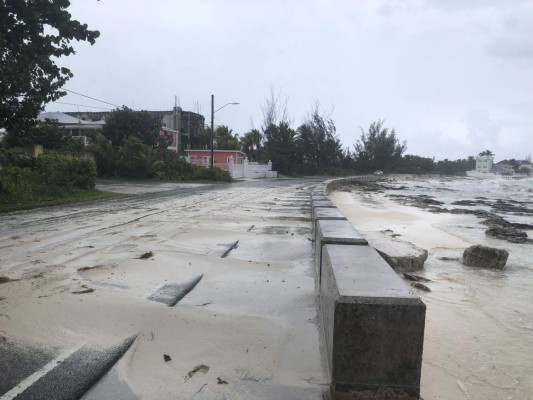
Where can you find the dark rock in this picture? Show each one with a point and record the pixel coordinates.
(420, 286)
(448, 258)
(509, 233)
(438, 210)
(485, 257)
(496, 220)
(522, 226)
(416, 278)
(477, 212)
(465, 203)
(512, 207)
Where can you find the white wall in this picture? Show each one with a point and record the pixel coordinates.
(251, 170)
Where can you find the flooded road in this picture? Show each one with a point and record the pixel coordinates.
(84, 277)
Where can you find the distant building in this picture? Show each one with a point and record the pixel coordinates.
(221, 157)
(503, 168)
(77, 127)
(184, 126)
(484, 164)
(233, 161)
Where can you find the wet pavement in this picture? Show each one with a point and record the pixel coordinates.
(82, 275)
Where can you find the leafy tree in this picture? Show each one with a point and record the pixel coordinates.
(104, 154)
(318, 143)
(280, 147)
(124, 122)
(134, 159)
(251, 144)
(279, 138)
(457, 167)
(486, 153)
(33, 35)
(225, 139)
(412, 164)
(378, 148)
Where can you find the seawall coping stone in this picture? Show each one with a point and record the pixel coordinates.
(334, 232)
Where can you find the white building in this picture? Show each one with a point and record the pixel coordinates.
(484, 164)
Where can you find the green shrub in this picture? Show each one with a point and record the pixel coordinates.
(51, 176)
(211, 174)
(17, 184)
(134, 159)
(82, 173)
(104, 154)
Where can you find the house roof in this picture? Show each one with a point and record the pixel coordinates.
(61, 118)
(70, 122)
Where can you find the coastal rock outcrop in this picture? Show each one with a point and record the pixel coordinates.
(485, 257)
(509, 233)
(502, 229)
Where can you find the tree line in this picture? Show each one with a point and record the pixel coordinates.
(314, 147)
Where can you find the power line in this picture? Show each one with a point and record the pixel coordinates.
(89, 97)
(82, 105)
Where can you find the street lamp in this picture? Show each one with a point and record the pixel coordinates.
(213, 111)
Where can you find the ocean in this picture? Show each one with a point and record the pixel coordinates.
(479, 323)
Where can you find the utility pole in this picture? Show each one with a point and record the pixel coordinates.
(212, 127)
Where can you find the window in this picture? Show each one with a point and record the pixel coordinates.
(239, 160)
(206, 160)
(192, 159)
(228, 158)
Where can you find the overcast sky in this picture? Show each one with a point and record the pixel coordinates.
(453, 77)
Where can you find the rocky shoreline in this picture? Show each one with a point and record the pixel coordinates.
(497, 226)
(477, 313)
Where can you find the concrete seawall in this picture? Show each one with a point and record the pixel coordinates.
(373, 324)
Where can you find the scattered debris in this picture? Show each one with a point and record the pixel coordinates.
(5, 279)
(199, 368)
(146, 255)
(233, 246)
(415, 278)
(86, 268)
(84, 290)
(166, 357)
(203, 386)
(170, 294)
(221, 381)
(420, 286)
(448, 258)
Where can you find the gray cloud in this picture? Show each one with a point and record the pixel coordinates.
(417, 64)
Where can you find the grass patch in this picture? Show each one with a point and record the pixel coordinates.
(75, 197)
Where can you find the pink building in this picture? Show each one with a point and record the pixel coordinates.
(173, 134)
(222, 157)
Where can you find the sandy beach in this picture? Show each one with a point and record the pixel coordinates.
(478, 334)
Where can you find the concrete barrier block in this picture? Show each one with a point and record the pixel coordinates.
(320, 204)
(327, 213)
(373, 324)
(334, 232)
